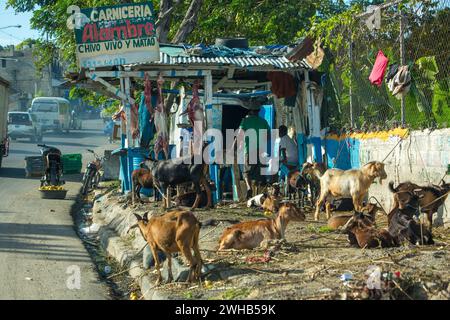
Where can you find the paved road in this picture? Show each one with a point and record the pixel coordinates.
(38, 242)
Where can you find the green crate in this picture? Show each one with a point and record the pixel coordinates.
(72, 163)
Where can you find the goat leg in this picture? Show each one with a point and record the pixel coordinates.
(328, 209)
(430, 221)
(169, 268)
(319, 203)
(157, 264)
(198, 195)
(208, 192)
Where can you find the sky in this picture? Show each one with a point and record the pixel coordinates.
(14, 35)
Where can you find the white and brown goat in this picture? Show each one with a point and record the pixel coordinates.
(250, 234)
(352, 183)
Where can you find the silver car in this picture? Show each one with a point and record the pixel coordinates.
(21, 125)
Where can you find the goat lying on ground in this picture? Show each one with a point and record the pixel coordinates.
(249, 234)
(433, 197)
(140, 178)
(312, 173)
(339, 220)
(348, 183)
(170, 173)
(362, 232)
(297, 185)
(401, 218)
(271, 204)
(175, 231)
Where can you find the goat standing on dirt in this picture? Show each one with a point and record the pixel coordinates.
(170, 173)
(352, 183)
(297, 184)
(141, 178)
(312, 173)
(175, 231)
(433, 197)
(250, 234)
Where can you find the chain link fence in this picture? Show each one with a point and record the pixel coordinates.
(352, 101)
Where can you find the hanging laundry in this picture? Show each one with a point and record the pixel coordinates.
(283, 84)
(393, 68)
(402, 82)
(160, 119)
(373, 22)
(379, 68)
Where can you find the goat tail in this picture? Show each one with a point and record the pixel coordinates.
(391, 187)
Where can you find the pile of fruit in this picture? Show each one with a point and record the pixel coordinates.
(51, 188)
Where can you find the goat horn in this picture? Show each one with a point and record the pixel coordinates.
(344, 227)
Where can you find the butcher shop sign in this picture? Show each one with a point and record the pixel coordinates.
(114, 35)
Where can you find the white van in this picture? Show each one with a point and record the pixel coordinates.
(52, 113)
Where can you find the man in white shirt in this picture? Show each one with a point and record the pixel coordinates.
(288, 149)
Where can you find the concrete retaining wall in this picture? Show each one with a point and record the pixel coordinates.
(421, 157)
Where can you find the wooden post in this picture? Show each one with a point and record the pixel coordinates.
(350, 94)
(213, 168)
(402, 62)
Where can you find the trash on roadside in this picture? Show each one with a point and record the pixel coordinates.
(92, 229)
(265, 258)
(107, 269)
(28, 279)
(347, 276)
(133, 296)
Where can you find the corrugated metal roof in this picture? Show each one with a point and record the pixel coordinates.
(242, 62)
(177, 55)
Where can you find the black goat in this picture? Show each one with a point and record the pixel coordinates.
(173, 172)
(401, 219)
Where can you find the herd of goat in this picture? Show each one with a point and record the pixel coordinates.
(178, 230)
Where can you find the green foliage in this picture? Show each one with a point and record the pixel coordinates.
(26, 43)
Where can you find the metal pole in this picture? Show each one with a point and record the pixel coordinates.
(350, 56)
(402, 62)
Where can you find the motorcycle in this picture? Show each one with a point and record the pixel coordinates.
(52, 165)
(92, 174)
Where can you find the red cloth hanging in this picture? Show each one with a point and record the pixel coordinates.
(379, 68)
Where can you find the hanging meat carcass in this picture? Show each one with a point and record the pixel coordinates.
(148, 94)
(160, 118)
(196, 117)
(135, 121)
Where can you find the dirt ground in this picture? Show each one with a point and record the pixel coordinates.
(310, 264)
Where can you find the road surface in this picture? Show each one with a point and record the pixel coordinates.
(40, 253)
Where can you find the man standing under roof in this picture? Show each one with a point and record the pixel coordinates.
(252, 125)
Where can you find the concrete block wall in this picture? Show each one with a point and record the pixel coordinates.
(421, 157)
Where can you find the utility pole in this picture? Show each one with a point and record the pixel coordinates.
(350, 57)
(402, 61)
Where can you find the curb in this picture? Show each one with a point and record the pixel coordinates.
(125, 255)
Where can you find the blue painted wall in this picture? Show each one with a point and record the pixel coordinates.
(342, 154)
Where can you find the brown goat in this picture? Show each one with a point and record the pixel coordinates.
(432, 197)
(175, 231)
(363, 233)
(271, 204)
(250, 234)
(348, 183)
(339, 220)
(312, 173)
(140, 178)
